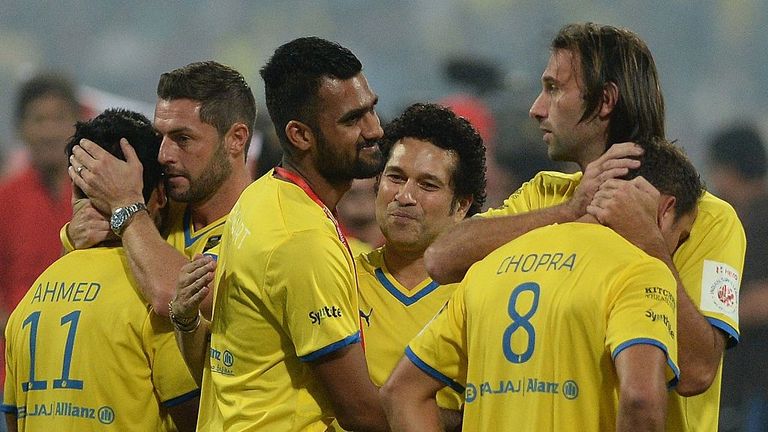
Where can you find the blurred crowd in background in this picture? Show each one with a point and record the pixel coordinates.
(63, 62)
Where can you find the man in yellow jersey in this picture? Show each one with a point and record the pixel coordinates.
(285, 350)
(601, 88)
(567, 327)
(84, 352)
(205, 112)
(433, 178)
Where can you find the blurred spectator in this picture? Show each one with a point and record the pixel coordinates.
(36, 198)
(737, 158)
(264, 152)
(357, 215)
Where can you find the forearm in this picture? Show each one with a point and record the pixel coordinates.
(700, 346)
(194, 347)
(638, 416)
(154, 263)
(453, 252)
(411, 414)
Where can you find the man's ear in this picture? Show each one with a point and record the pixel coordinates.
(158, 199)
(609, 99)
(236, 139)
(461, 207)
(300, 135)
(665, 217)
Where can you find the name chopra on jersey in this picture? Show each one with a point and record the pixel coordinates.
(65, 291)
(316, 317)
(537, 262)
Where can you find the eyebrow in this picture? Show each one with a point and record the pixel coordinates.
(358, 112)
(426, 176)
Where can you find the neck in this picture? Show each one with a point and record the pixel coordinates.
(328, 192)
(220, 203)
(408, 268)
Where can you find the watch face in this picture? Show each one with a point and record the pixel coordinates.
(118, 219)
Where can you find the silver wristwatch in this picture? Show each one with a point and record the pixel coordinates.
(122, 215)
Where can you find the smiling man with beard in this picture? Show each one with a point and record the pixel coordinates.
(285, 351)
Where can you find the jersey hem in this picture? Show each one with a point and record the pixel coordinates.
(349, 340)
(733, 334)
(434, 373)
(178, 400)
(647, 341)
(9, 409)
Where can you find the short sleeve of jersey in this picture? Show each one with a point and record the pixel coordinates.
(313, 291)
(170, 376)
(710, 264)
(642, 309)
(9, 394)
(546, 189)
(440, 350)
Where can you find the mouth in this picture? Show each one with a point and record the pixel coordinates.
(401, 215)
(367, 145)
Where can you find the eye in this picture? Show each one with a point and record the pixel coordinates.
(395, 178)
(550, 87)
(429, 186)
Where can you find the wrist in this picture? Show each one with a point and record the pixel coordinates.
(184, 324)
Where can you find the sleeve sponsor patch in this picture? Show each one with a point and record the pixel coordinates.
(720, 289)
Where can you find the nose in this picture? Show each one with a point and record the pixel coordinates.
(165, 155)
(406, 193)
(538, 110)
(371, 126)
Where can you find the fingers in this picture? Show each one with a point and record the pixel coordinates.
(130, 154)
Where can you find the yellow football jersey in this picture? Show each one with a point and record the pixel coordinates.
(84, 353)
(533, 329)
(391, 315)
(286, 294)
(185, 239)
(710, 265)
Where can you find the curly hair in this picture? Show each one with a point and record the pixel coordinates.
(440, 126)
(292, 79)
(106, 130)
(669, 170)
(225, 98)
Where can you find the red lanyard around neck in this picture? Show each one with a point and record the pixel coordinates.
(300, 182)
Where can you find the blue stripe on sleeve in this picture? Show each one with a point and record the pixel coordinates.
(647, 341)
(9, 409)
(349, 340)
(733, 335)
(434, 373)
(178, 400)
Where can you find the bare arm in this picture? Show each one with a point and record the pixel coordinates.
(642, 389)
(451, 419)
(10, 421)
(409, 399)
(453, 252)
(450, 256)
(630, 208)
(355, 400)
(184, 415)
(111, 183)
(193, 286)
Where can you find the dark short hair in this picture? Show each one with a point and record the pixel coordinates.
(106, 130)
(45, 84)
(292, 79)
(669, 170)
(441, 127)
(617, 55)
(225, 98)
(741, 148)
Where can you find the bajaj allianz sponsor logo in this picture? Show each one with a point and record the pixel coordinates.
(317, 316)
(568, 389)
